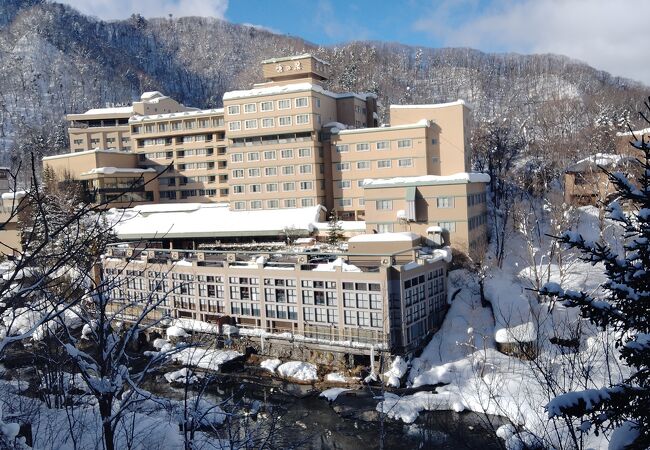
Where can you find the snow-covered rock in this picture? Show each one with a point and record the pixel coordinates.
(332, 393)
(270, 364)
(298, 370)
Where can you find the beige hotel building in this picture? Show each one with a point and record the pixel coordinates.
(276, 157)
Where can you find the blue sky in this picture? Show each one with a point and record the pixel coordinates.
(611, 35)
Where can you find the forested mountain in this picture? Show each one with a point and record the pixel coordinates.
(55, 60)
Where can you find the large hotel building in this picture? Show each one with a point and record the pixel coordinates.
(269, 164)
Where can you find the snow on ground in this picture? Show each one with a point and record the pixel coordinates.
(270, 364)
(332, 393)
(462, 355)
(183, 375)
(210, 359)
(511, 306)
(336, 377)
(298, 370)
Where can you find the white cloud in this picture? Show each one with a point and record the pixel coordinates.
(608, 35)
(121, 9)
(336, 26)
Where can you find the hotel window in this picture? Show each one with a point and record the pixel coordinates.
(360, 183)
(234, 126)
(289, 186)
(253, 156)
(287, 170)
(404, 143)
(290, 203)
(162, 127)
(363, 318)
(272, 204)
(266, 106)
(148, 128)
(136, 129)
(306, 185)
(384, 164)
(306, 202)
(302, 119)
(362, 202)
(449, 226)
(363, 165)
(445, 202)
(256, 204)
(408, 162)
(343, 166)
(189, 124)
(177, 125)
(271, 171)
(269, 155)
(251, 124)
(286, 154)
(345, 184)
(385, 227)
(350, 317)
(238, 189)
(305, 168)
(217, 122)
(203, 123)
(383, 145)
(250, 108)
(254, 188)
(240, 205)
(272, 187)
(254, 172)
(345, 202)
(284, 104)
(284, 121)
(302, 102)
(238, 173)
(304, 152)
(363, 147)
(233, 109)
(343, 148)
(268, 122)
(384, 204)
(237, 157)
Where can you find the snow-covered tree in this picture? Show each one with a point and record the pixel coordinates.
(623, 307)
(335, 232)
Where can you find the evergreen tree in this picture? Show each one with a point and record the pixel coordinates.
(623, 308)
(335, 233)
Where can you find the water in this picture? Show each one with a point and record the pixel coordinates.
(312, 423)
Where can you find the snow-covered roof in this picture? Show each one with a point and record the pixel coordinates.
(125, 110)
(419, 124)
(114, 170)
(434, 229)
(599, 159)
(294, 58)
(177, 115)
(150, 95)
(193, 220)
(458, 178)
(338, 262)
(406, 236)
(85, 152)
(433, 105)
(291, 88)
